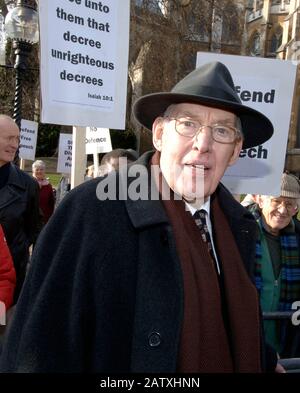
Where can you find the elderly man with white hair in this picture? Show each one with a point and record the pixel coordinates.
(277, 269)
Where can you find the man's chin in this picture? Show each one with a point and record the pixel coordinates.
(10, 157)
(195, 200)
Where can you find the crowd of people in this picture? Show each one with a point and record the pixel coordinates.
(178, 283)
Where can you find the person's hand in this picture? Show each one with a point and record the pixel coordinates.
(279, 369)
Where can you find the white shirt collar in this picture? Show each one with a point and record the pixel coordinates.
(192, 208)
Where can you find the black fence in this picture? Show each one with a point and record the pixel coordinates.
(291, 365)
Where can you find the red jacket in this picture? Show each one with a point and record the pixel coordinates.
(7, 273)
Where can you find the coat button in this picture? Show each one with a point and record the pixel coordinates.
(154, 339)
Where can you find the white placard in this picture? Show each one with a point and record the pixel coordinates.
(266, 85)
(28, 138)
(84, 62)
(97, 140)
(64, 162)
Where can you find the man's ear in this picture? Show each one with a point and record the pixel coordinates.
(157, 132)
(236, 152)
(296, 211)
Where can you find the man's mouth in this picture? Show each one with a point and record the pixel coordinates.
(280, 218)
(198, 166)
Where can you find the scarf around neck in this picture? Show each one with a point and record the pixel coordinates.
(290, 268)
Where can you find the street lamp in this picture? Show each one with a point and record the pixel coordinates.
(21, 25)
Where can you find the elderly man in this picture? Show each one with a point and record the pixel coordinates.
(140, 285)
(278, 263)
(19, 201)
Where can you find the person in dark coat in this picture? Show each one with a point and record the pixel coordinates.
(131, 275)
(19, 202)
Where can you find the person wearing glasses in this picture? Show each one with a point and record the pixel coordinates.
(148, 269)
(278, 263)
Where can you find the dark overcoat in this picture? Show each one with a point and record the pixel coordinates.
(20, 217)
(105, 291)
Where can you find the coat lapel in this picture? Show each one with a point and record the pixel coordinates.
(243, 226)
(13, 190)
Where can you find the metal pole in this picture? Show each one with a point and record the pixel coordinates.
(22, 50)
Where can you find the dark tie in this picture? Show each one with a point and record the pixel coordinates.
(200, 220)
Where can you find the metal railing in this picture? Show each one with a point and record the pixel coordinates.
(291, 365)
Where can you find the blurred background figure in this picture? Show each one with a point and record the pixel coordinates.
(249, 200)
(89, 173)
(111, 161)
(46, 193)
(63, 188)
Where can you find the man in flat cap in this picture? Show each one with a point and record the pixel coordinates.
(277, 268)
(158, 283)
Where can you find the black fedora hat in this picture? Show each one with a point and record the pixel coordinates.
(209, 85)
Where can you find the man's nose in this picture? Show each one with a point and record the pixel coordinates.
(282, 208)
(203, 139)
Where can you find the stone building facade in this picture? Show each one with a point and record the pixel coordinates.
(165, 37)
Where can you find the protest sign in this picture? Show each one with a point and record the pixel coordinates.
(28, 139)
(97, 140)
(64, 162)
(266, 85)
(84, 62)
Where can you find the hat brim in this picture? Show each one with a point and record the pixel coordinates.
(256, 127)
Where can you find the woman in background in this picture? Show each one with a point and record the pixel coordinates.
(47, 200)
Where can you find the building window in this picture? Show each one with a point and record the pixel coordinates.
(250, 4)
(281, 2)
(276, 40)
(150, 5)
(231, 27)
(255, 45)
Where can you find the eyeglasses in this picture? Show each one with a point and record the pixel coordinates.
(189, 128)
(290, 206)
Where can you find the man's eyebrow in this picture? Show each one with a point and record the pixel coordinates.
(194, 116)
